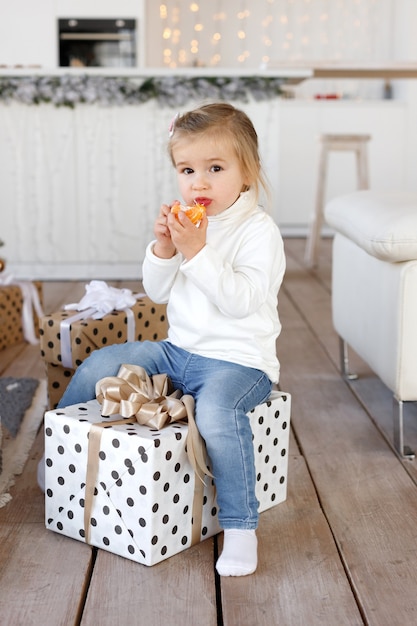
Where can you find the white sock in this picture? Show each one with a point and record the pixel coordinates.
(240, 553)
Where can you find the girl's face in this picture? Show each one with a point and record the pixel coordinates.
(208, 172)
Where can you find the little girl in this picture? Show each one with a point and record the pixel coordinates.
(220, 281)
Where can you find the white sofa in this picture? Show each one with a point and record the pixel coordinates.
(374, 289)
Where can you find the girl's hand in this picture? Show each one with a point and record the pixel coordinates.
(164, 246)
(186, 237)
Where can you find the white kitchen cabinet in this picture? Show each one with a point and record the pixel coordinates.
(81, 187)
(301, 123)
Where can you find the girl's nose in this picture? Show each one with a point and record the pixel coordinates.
(200, 182)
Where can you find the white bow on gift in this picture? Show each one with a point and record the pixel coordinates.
(31, 302)
(99, 300)
(103, 299)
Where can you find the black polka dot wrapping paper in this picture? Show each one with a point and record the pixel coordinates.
(11, 307)
(87, 335)
(144, 492)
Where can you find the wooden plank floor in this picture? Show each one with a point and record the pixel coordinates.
(340, 550)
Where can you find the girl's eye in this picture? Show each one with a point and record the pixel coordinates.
(187, 170)
(216, 168)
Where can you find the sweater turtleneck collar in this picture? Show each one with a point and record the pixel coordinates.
(245, 203)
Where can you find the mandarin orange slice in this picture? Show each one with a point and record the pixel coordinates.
(195, 213)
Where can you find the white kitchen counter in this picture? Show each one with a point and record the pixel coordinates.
(290, 73)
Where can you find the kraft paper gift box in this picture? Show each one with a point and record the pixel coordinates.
(12, 314)
(147, 319)
(144, 491)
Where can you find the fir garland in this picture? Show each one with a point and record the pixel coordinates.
(171, 91)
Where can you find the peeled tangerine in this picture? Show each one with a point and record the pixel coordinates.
(195, 213)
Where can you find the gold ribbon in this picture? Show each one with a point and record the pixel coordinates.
(152, 402)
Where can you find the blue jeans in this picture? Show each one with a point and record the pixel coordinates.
(224, 393)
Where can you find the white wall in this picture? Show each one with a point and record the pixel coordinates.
(28, 33)
(246, 34)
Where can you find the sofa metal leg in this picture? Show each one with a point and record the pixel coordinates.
(344, 361)
(404, 451)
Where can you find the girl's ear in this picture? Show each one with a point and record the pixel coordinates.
(247, 182)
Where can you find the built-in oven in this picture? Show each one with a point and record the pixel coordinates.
(97, 42)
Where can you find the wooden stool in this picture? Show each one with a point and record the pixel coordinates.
(354, 143)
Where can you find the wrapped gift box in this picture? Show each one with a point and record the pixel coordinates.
(144, 491)
(58, 378)
(11, 307)
(86, 335)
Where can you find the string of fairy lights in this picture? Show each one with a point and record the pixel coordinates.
(256, 32)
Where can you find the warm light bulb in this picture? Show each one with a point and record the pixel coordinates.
(176, 36)
(175, 16)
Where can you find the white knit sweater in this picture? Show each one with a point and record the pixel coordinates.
(222, 303)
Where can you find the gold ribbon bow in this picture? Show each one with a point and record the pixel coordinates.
(152, 402)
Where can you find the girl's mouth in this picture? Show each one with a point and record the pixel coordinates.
(204, 201)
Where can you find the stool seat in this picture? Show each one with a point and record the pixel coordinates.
(374, 290)
(343, 142)
(356, 143)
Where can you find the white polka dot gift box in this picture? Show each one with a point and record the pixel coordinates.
(144, 504)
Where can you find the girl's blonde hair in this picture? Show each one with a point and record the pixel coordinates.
(223, 121)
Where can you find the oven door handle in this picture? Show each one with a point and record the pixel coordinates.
(96, 36)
